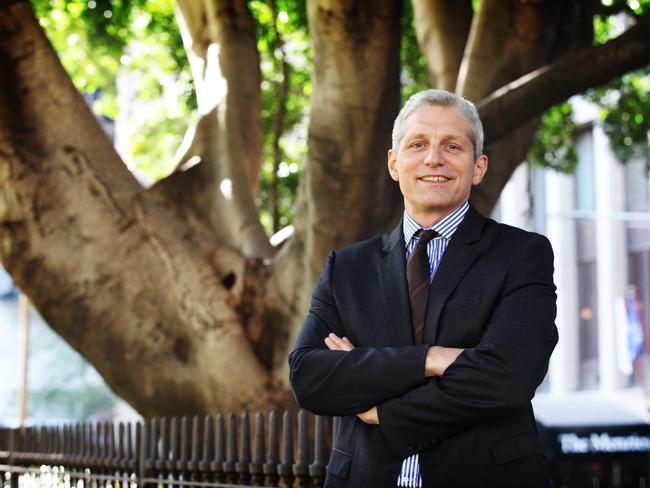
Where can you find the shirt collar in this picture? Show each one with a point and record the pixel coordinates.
(445, 226)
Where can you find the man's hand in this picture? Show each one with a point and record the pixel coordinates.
(370, 417)
(438, 360)
(336, 343)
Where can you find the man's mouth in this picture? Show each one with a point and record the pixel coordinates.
(435, 179)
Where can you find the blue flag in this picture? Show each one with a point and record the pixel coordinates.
(634, 325)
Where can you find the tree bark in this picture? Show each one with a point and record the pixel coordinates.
(355, 97)
(442, 37)
(154, 306)
(507, 40)
(345, 193)
(573, 73)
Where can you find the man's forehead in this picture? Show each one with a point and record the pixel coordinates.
(427, 121)
(416, 133)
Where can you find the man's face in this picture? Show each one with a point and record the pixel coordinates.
(435, 165)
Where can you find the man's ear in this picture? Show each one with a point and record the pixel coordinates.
(480, 167)
(392, 165)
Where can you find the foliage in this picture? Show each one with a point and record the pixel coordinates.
(625, 111)
(283, 43)
(553, 145)
(97, 40)
(624, 103)
(415, 73)
(139, 40)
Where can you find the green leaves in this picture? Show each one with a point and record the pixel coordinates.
(415, 73)
(286, 60)
(553, 145)
(625, 111)
(137, 43)
(624, 104)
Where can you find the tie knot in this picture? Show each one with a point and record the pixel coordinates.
(424, 236)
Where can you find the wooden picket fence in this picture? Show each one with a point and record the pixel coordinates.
(210, 451)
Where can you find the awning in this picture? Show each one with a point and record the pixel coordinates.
(593, 424)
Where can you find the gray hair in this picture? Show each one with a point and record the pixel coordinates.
(440, 98)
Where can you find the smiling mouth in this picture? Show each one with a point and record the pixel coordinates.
(435, 179)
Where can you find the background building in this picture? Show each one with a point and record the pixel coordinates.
(598, 221)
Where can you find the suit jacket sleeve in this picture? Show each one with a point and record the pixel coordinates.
(346, 383)
(500, 374)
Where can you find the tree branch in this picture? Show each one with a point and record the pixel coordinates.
(442, 37)
(219, 192)
(509, 107)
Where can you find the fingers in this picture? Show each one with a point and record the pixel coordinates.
(336, 343)
(347, 343)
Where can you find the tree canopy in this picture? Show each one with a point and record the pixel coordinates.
(142, 38)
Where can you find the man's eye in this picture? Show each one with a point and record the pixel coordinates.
(417, 145)
(453, 147)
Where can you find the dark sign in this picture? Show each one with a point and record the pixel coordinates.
(562, 442)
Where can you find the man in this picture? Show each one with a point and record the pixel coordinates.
(433, 378)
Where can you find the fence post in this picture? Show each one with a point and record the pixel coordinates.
(12, 448)
(162, 452)
(220, 453)
(317, 468)
(173, 447)
(285, 468)
(273, 460)
(208, 447)
(181, 454)
(98, 447)
(77, 453)
(243, 464)
(231, 456)
(195, 438)
(140, 452)
(110, 450)
(301, 468)
(256, 466)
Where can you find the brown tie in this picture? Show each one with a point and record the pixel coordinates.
(418, 277)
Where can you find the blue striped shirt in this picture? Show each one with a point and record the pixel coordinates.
(410, 473)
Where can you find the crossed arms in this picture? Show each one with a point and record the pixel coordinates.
(421, 391)
(436, 361)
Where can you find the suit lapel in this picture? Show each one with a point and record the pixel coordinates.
(455, 262)
(394, 290)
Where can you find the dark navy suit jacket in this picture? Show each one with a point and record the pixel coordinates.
(493, 294)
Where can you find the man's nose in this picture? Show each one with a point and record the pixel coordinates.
(433, 157)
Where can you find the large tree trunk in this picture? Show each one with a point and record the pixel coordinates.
(153, 305)
(443, 37)
(174, 293)
(345, 193)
